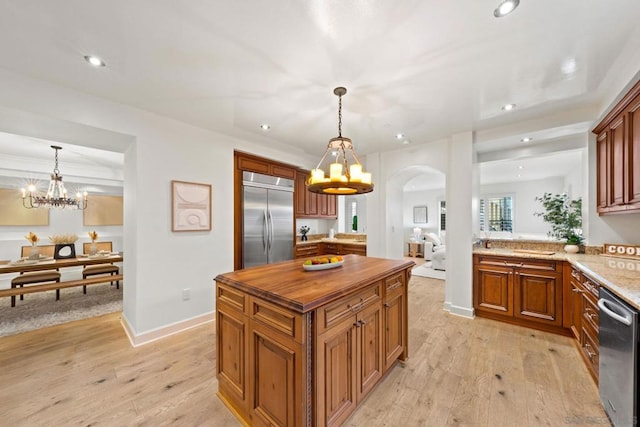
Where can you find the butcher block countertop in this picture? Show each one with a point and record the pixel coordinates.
(621, 276)
(289, 285)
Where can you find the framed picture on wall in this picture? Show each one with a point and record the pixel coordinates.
(190, 206)
(419, 214)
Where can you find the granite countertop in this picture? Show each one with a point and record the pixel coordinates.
(621, 276)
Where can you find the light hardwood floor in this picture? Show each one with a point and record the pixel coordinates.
(460, 372)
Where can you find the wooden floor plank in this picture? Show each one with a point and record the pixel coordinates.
(86, 373)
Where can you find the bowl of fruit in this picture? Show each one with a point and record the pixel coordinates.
(322, 263)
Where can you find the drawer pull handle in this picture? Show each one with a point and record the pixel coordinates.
(357, 324)
(394, 286)
(386, 304)
(578, 291)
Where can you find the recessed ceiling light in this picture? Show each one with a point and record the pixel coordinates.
(406, 141)
(505, 8)
(527, 139)
(94, 60)
(265, 126)
(508, 107)
(520, 167)
(399, 135)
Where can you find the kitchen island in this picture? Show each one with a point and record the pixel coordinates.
(304, 348)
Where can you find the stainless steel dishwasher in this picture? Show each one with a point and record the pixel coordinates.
(618, 376)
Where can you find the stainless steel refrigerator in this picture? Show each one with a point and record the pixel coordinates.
(267, 219)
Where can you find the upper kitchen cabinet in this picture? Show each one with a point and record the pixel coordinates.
(312, 205)
(248, 162)
(618, 157)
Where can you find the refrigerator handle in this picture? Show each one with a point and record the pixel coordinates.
(271, 230)
(265, 232)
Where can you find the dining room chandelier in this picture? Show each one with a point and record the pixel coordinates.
(56, 196)
(344, 179)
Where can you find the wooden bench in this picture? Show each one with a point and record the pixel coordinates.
(13, 292)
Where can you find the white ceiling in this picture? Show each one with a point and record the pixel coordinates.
(425, 68)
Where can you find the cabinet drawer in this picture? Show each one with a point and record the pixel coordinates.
(330, 248)
(333, 313)
(305, 251)
(591, 314)
(394, 284)
(285, 321)
(528, 263)
(354, 249)
(590, 349)
(592, 287)
(576, 274)
(230, 298)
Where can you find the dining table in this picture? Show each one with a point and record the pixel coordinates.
(48, 263)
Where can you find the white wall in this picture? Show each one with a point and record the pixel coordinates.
(431, 199)
(159, 263)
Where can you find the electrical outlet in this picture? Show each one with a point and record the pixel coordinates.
(186, 294)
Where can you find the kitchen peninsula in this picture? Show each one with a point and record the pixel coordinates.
(303, 348)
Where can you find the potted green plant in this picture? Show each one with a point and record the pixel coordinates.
(565, 217)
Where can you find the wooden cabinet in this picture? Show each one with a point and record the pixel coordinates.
(312, 205)
(524, 291)
(349, 355)
(589, 314)
(307, 250)
(293, 354)
(395, 320)
(328, 248)
(618, 157)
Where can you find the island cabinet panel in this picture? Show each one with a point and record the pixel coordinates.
(275, 375)
(300, 348)
(524, 291)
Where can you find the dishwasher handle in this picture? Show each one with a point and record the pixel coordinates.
(602, 304)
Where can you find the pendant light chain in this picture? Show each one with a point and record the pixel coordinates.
(55, 168)
(339, 116)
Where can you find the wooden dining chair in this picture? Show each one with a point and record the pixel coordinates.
(44, 276)
(92, 270)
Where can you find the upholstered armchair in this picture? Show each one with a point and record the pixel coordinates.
(432, 243)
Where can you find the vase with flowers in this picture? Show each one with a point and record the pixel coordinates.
(303, 231)
(34, 253)
(565, 217)
(93, 247)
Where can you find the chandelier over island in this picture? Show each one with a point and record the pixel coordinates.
(56, 196)
(343, 178)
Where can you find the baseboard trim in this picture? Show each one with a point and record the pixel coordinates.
(164, 331)
(459, 311)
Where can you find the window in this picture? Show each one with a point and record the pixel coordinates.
(496, 214)
(443, 215)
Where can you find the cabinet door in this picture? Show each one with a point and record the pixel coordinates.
(336, 373)
(311, 204)
(300, 198)
(231, 363)
(537, 296)
(369, 349)
(618, 168)
(633, 152)
(493, 287)
(394, 333)
(274, 378)
(332, 208)
(603, 171)
(323, 205)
